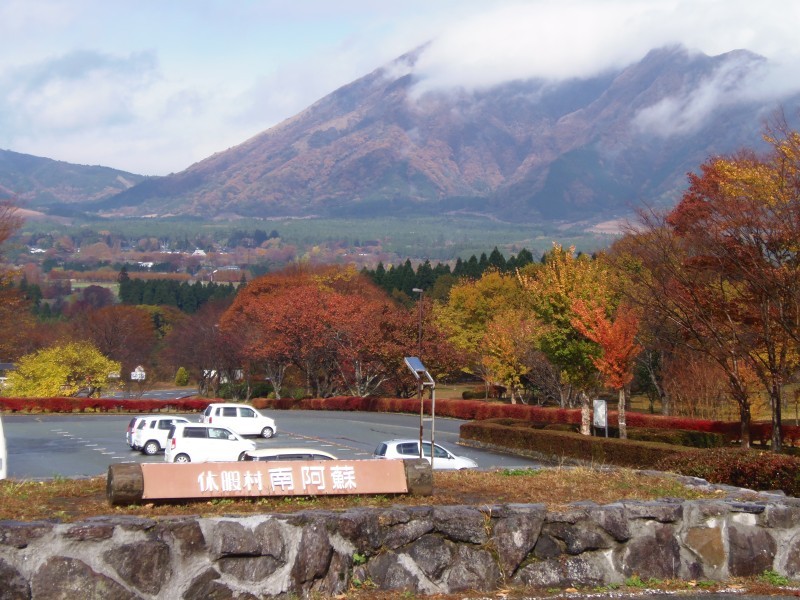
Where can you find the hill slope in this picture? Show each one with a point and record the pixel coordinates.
(529, 150)
(55, 186)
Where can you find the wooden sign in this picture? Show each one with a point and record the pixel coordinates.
(130, 483)
(272, 478)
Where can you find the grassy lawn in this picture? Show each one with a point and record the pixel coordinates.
(74, 499)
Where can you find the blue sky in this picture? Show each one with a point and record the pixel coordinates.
(154, 86)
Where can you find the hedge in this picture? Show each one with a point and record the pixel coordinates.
(569, 445)
(469, 410)
(101, 405)
(749, 469)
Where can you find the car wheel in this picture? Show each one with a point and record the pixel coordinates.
(242, 455)
(151, 448)
(182, 458)
(267, 432)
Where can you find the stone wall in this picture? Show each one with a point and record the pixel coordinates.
(422, 549)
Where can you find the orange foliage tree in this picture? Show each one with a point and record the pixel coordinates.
(331, 324)
(618, 348)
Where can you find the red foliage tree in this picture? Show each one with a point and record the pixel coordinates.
(617, 340)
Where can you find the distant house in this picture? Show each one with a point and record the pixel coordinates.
(199, 252)
(4, 369)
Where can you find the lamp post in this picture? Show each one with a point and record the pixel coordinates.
(419, 355)
(419, 311)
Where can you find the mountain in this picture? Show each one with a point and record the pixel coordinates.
(57, 187)
(583, 149)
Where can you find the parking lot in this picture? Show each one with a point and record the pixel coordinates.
(45, 446)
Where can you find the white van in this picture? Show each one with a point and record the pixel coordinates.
(150, 434)
(241, 418)
(199, 442)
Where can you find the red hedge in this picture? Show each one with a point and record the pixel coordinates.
(80, 405)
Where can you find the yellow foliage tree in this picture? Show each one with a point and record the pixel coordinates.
(470, 308)
(61, 370)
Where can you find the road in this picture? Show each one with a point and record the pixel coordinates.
(46, 446)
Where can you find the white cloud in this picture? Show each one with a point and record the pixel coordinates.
(152, 87)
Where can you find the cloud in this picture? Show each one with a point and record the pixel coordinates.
(76, 91)
(562, 39)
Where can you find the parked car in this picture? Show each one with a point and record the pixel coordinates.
(201, 442)
(131, 430)
(150, 435)
(443, 458)
(240, 418)
(269, 454)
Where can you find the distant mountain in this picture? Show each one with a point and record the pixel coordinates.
(579, 150)
(57, 187)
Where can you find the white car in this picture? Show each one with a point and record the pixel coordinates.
(131, 430)
(150, 434)
(241, 418)
(443, 459)
(268, 454)
(200, 442)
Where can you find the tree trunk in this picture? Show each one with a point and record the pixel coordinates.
(586, 417)
(744, 418)
(623, 427)
(775, 401)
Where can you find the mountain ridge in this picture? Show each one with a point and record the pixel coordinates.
(582, 149)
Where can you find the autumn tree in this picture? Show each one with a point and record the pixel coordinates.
(551, 289)
(723, 267)
(199, 344)
(466, 316)
(616, 337)
(123, 333)
(62, 370)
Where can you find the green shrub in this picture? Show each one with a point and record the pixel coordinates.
(734, 466)
(182, 377)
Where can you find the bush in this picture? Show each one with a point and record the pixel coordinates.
(566, 444)
(182, 377)
(743, 468)
(678, 437)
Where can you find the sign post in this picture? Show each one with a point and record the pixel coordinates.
(600, 415)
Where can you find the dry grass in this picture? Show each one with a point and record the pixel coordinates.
(71, 499)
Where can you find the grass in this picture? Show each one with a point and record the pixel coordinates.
(74, 499)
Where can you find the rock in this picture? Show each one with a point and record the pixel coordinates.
(472, 569)
(62, 578)
(13, 585)
(654, 552)
(751, 551)
(90, 532)
(313, 554)
(186, 532)
(405, 533)
(233, 538)
(144, 565)
(709, 547)
(514, 538)
(388, 572)
(249, 568)
(461, 523)
(432, 555)
(577, 538)
(206, 587)
(19, 535)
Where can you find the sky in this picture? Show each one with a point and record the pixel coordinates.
(153, 86)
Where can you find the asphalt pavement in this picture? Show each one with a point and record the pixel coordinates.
(84, 445)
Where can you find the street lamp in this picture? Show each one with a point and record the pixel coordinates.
(419, 333)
